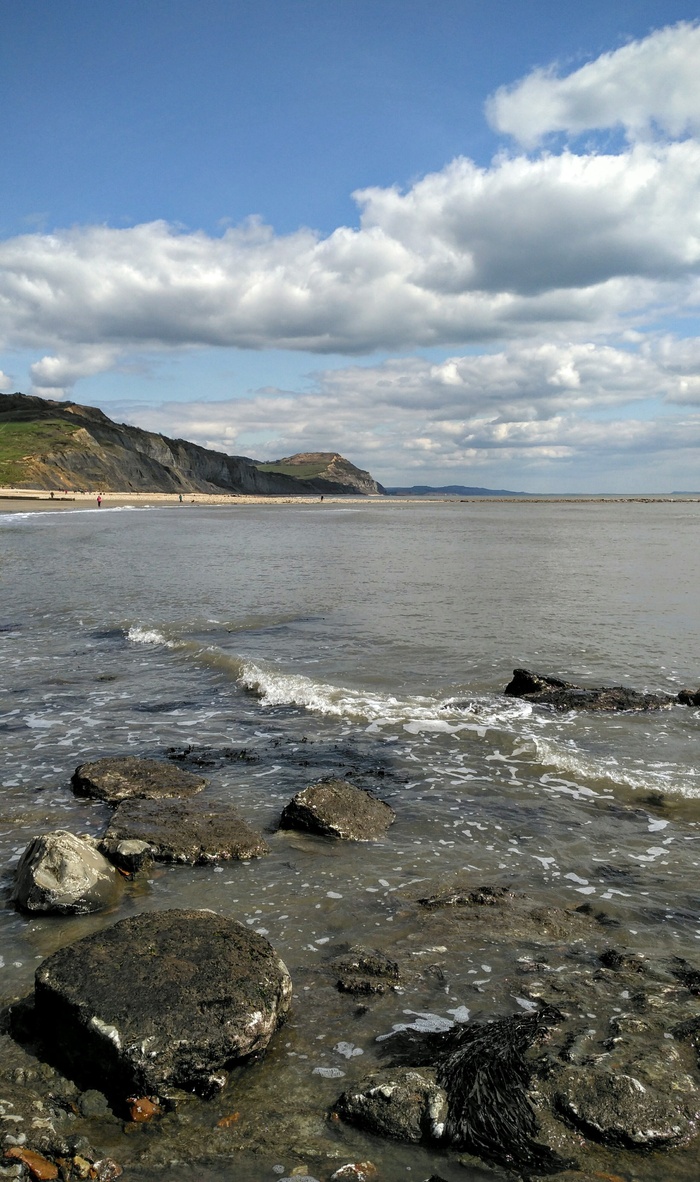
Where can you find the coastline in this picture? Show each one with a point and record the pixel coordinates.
(21, 500)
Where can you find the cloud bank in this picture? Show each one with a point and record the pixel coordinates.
(528, 410)
(557, 245)
(573, 271)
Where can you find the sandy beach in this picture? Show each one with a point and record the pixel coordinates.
(22, 500)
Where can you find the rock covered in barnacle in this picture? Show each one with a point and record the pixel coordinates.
(125, 776)
(65, 874)
(169, 998)
(336, 808)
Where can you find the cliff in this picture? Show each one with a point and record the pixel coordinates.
(51, 445)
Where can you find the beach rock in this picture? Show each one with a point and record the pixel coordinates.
(123, 777)
(59, 872)
(129, 855)
(169, 998)
(402, 1103)
(617, 1108)
(336, 808)
(365, 971)
(184, 831)
(566, 695)
(689, 697)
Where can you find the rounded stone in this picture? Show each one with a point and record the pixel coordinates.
(59, 872)
(165, 999)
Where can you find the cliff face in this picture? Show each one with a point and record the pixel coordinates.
(52, 445)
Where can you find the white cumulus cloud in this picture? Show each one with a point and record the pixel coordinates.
(561, 244)
(648, 87)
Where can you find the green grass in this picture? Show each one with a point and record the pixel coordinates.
(20, 441)
(301, 471)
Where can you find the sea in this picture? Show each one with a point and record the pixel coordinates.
(280, 644)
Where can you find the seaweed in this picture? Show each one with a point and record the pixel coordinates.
(486, 1077)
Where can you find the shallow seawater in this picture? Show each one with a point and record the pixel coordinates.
(282, 644)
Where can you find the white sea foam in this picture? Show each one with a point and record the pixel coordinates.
(142, 635)
(416, 713)
(647, 777)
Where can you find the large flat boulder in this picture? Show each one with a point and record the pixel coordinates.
(59, 872)
(125, 776)
(169, 998)
(192, 831)
(336, 808)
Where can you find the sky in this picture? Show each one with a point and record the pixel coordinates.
(457, 242)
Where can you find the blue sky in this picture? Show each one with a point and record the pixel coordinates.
(457, 242)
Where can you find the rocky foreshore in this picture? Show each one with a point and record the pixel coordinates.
(160, 1037)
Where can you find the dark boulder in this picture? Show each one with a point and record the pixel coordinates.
(402, 1103)
(192, 831)
(336, 808)
(689, 697)
(566, 695)
(126, 776)
(61, 873)
(170, 998)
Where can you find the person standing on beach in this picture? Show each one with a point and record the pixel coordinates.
(99, 500)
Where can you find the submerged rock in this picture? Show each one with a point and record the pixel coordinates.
(170, 998)
(365, 971)
(183, 831)
(336, 808)
(59, 872)
(485, 896)
(618, 1108)
(405, 1104)
(689, 697)
(566, 695)
(123, 777)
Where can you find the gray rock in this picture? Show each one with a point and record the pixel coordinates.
(543, 690)
(59, 872)
(129, 855)
(184, 831)
(336, 808)
(402, 1103)
(169, 998)
(618, 1108)
(123, 777)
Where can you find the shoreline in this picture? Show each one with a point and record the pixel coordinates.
(19, 500)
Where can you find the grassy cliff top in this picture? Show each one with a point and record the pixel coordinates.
(20, 441)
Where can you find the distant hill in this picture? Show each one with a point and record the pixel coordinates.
(52, 445)
(328, 471)
(452, 490)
